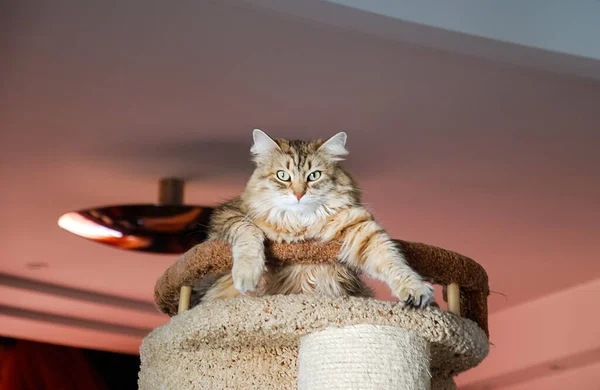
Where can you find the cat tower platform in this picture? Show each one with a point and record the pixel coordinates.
(312, 342)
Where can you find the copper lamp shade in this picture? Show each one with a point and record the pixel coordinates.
(168, 227)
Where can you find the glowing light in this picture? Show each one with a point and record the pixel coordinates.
(76, 224)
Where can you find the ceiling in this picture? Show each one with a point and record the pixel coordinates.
(564, 27)
(551, 36)
(493, 158)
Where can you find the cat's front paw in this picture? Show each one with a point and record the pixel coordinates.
(415, 293)
(247, 272)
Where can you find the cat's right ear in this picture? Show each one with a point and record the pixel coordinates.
(263, 144)
(335, 146)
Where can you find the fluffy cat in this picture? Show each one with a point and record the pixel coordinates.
(298, 191)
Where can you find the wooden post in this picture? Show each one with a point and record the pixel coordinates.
(185, 293)
(453, 295)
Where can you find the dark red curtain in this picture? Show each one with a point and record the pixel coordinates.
(26, 365)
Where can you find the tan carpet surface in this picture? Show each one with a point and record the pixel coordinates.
(252, 343)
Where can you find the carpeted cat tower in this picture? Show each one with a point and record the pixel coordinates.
(312, 342)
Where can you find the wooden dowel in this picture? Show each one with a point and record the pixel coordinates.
(453, 295)
(185, 294)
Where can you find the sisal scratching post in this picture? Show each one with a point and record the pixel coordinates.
(364, 357)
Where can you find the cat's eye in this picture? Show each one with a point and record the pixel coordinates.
(283, 176)
(314, 175)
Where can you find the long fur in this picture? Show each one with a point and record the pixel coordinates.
(296, 206)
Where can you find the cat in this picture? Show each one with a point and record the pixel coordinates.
(298, 191)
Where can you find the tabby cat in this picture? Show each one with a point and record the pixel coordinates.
(298, 192)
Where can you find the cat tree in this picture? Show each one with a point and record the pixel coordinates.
(311, 342)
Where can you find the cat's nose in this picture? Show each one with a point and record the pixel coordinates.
(299, 195)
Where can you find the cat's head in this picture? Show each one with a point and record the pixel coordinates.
(300, 176)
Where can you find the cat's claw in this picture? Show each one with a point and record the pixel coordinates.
(415, 294)
(247, 273)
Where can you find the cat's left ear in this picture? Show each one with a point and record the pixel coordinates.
(335, 146)
(263, 144)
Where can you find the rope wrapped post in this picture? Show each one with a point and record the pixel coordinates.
(364, 357)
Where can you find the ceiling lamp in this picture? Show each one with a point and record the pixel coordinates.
(166, 227)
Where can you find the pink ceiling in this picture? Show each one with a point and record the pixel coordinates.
(99, 101)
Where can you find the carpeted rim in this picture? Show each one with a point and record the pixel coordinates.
(439, 265)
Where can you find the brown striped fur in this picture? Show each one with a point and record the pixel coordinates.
(297, 206)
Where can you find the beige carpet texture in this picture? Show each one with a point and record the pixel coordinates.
(255, 343)
(313, 342)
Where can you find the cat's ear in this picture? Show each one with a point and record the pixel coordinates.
(263, 144)
(335, 146)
